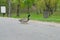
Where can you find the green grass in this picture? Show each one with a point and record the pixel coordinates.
(53, 18)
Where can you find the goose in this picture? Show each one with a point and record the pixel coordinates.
(25, 20)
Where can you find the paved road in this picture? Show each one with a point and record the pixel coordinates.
(12, 29)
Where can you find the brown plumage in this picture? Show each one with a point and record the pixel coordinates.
(25, 20)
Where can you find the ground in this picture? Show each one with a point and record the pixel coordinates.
(12, 29)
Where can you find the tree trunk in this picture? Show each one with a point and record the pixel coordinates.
(9, 7)
(28, 10)
(46, 14)
(18, 8)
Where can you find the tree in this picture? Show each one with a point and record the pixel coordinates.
(28, 4)
(9, 8)
(18, 8)
(50, 5)
(39, 6)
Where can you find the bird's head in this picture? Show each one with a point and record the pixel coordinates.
(29, 15)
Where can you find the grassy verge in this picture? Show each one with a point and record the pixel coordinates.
(53, 18)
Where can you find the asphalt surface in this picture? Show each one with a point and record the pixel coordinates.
(12, 29)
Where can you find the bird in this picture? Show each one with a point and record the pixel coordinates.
(25, 20)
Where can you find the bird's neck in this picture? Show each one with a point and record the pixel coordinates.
(28, 18)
